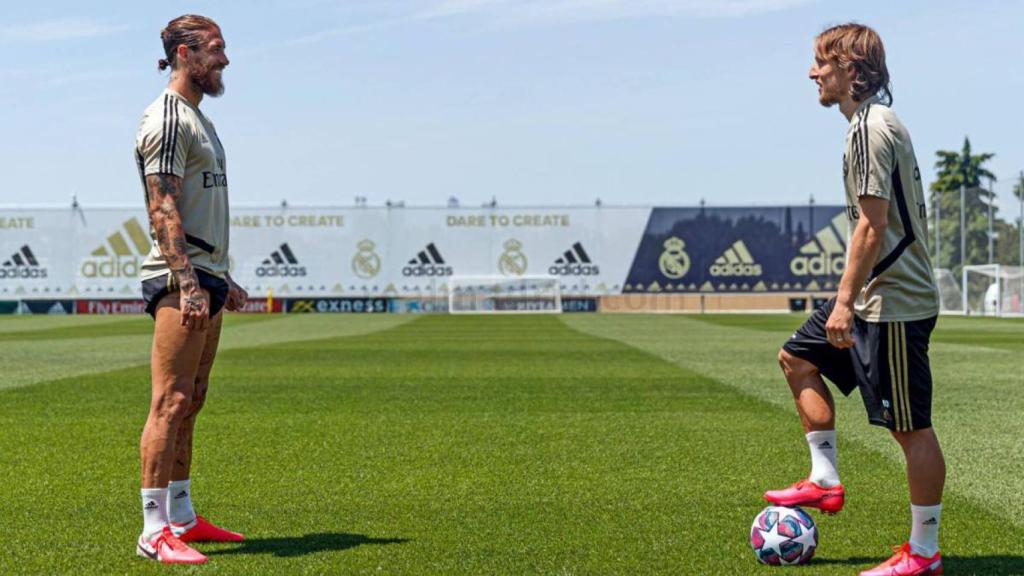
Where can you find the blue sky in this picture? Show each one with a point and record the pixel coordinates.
(659, 102)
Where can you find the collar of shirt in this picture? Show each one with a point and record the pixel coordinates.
(182, 98)
(860, 107)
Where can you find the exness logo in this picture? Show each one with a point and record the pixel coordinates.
(427, 263)
(736, 261)
(22, 264)
(574, 262)
(282, 263)
(825, 254)
(117, 258)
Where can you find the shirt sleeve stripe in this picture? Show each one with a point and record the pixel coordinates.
(163, 135)
(862, 133)
(174, 137)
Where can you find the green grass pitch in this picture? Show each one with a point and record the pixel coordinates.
(578, 444)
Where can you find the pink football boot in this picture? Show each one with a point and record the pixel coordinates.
(906, 563)
(165, 547)
(808, 494)
(202, 530)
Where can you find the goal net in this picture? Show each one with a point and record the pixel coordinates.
(993, 290)
(951, 298)
(502, 295)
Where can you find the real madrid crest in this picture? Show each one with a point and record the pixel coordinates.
(366, 262)
(513, 262)
(674, 262)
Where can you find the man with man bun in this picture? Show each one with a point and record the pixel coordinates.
(185, 281)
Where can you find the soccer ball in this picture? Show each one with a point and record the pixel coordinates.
(783, 536)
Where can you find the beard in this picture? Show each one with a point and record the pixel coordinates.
(828, 98)
(208, 78)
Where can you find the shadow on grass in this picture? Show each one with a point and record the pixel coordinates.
(996, 565)
(302, 545)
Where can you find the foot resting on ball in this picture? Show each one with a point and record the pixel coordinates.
(808, 494)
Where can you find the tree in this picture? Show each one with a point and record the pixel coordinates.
(956, 169)
(1008, 243)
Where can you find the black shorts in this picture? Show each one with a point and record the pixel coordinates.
(888, 362)
(154, 289)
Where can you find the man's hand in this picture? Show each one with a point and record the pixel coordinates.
(195, 306)
(237, 296)
(839, 326)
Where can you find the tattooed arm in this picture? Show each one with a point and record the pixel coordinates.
(163, 192)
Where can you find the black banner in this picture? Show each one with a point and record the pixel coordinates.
(37, 307)
(578, 304)
(777, 249)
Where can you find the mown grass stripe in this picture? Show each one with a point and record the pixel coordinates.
(33, 359)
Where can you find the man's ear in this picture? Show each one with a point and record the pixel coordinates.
(182, 51)
(851, 73)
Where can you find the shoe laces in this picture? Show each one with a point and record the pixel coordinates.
(900, 553)
(172, 541)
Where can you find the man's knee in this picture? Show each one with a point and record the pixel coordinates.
(794, 366)
(921, 437)
(199, 397)
(173, 407)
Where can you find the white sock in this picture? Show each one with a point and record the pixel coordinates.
(179, 502)
(154, 511)
(823, 458)
(924, 533)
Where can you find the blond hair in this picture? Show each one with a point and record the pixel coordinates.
(858, 47)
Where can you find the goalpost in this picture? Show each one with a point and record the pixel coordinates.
(951, 298)
(993, 290)
(503, 295)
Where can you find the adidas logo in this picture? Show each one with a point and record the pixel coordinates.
(428, 262)
(825, 445)
(151, 505)
(825, 254)
(930, 522)
(117, 258)
(736, 261)
(180, 495)
(574, 262)
(282, 262)
(22, 264)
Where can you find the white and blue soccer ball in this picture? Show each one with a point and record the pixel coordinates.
(783, 536)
